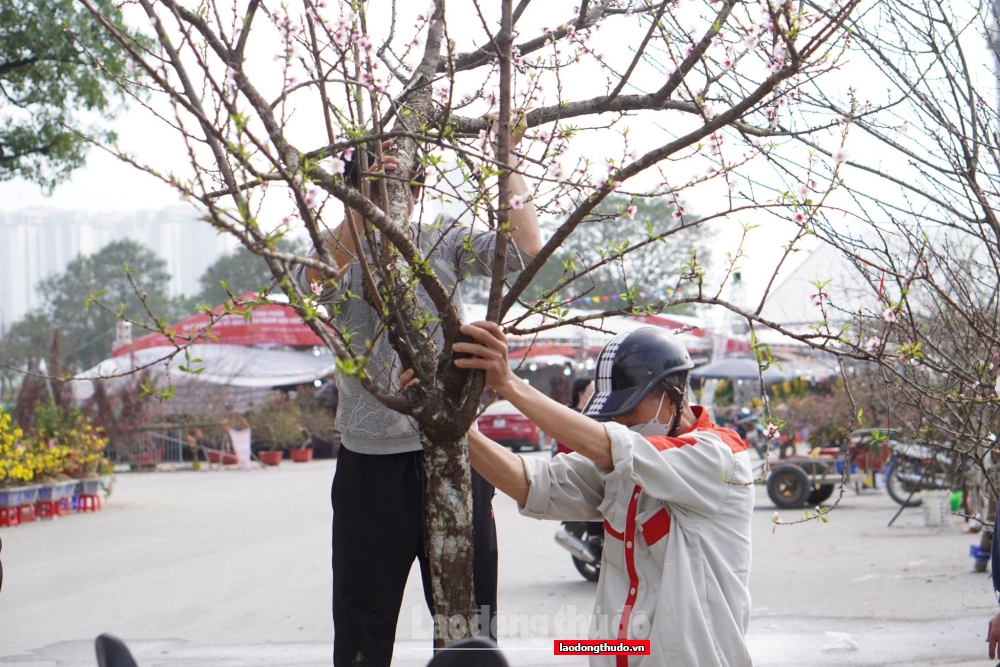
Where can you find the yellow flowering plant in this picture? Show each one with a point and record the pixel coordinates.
(14, 465)
(64, 442)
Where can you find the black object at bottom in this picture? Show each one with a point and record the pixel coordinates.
(458, 654)
(112, 652)
(378, 529)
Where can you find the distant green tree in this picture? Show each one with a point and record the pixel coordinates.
(653, 269)
(239, 272)
(87, 333)
(49, 82)
(28, 340)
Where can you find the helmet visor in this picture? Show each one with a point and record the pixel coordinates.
(604, 405)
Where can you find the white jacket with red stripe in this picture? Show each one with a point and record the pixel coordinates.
(677, 549)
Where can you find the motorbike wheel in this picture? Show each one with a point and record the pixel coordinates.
(590, 571)
(899, 489)
(819, 495)
(788, 487)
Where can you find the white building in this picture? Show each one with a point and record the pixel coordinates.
(37, 243)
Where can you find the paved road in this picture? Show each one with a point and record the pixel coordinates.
(227, 568)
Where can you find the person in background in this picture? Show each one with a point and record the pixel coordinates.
(993, 629)
(583, 389)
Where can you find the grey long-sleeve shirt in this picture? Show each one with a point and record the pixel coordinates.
(455, 251)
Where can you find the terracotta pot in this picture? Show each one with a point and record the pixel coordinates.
(301, 455)
(270, 458)
(226, 458)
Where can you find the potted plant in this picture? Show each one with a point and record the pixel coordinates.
(279, 425)
(303, 453)
(271, 457)
(16, 471)
(69, 454)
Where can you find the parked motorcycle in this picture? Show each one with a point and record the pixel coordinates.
(913, 468)
(585, 541)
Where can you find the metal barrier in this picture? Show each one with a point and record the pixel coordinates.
(148, 446)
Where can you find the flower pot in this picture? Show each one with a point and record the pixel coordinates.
(29, 494)
(69, 489)
(270, 458)
(226, 458)
(47, 491)
(301, 455)
(88, 487)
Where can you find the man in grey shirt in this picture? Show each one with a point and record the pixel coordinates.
(378, 490)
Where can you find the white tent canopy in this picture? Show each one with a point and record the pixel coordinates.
(229, 365)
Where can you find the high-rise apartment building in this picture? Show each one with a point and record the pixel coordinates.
(37, 243)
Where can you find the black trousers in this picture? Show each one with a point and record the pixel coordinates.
(378, 529)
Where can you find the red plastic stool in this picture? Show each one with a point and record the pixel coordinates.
(46, 509)
(28, 510)
(10, 516)
(90, 502)
(63, 506)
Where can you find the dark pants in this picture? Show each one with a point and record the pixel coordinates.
(378, 529)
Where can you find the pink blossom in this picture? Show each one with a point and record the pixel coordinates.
(517, 202)
(889, 315)
(631, 211)
(776, 518)
(771, 432)
(556, 171)
(364, 44)
(872, 344)
(802, 190)
(337, 165)
(840, 155)
(317, 288)
(544, 136)
(312, 197)
(799, 217)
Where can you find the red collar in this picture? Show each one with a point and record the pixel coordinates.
(701, 420)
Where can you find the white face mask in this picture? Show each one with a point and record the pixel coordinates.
(653, 427)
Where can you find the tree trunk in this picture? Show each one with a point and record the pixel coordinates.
(448, 504)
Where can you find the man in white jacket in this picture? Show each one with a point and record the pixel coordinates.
(674, 490)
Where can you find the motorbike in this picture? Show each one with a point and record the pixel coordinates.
(585, 541)
(913, 468)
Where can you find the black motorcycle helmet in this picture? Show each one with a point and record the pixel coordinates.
(631, 365)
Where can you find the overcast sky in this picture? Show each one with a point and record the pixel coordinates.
(105, 184)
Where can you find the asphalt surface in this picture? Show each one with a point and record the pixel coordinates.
(221, 567)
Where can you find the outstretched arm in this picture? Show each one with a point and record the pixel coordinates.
(498, 465)
(579, 433)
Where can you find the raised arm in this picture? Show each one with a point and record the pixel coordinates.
(579, 433)
(524, 220)
(340, 240)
